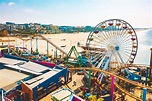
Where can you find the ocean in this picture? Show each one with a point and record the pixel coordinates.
(144, 45)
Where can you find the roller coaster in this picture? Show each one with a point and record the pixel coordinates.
(31, 52)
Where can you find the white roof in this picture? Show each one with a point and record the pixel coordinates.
(22, 69)
(34, 67)
(9, 61)
(37, 80)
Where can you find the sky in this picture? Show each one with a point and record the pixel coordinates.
(76, 12)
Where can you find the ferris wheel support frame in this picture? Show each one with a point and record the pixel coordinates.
(100, 63)
(105, 66)
(120, 58)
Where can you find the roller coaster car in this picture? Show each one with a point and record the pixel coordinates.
(132, 76)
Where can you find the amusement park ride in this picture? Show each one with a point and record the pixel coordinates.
(110, 50)
(112, 46)
(118, 41)
(79, 60)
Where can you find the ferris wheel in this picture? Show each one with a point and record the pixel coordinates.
(112, 43)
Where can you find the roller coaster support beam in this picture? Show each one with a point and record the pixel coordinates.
(36, 44)
(8, 47)
(56, 53)
(150, 70)
(16, 45)
(112, 88)
(31, 46)
(47, 48)
(23, 45)
(144, 94)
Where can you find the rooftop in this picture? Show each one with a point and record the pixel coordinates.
(37, 80)
(9, 77)
(9, 61)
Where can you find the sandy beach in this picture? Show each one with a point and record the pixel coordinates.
(64, 41)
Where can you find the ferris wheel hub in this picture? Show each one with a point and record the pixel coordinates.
(116, 47)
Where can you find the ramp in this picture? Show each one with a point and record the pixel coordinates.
(46, 39)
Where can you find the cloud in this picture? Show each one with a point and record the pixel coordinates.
(28, 10)
(11, 3)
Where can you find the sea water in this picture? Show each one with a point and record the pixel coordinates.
(144, 45)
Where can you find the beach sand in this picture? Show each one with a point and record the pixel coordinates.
(64, 41)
